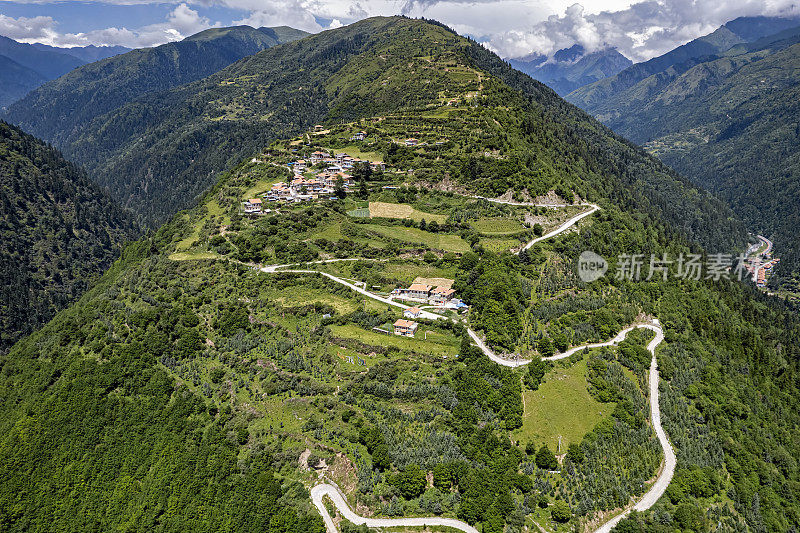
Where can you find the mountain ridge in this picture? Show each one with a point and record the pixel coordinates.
(87, 54)
(62, 106)
(162, 151)
(573, 68)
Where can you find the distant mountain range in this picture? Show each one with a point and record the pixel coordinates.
(606, 94)
(23, 67)
(722, 110)
(87, 54)
(571, 68)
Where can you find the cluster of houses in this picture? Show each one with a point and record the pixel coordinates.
(320, 185)
(437, 296)
(338, 163)
(442, 296)
(764, 271)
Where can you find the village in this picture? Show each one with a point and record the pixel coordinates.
(761, 261)
(308, 184)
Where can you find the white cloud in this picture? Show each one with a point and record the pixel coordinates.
(639, 31)
(512, 28)
(180, 23)
(23, 27)
(294, 13)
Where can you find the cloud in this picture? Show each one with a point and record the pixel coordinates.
(23, 27)
(512, 28)
(294, 13)
(640, 31)
(180, 23)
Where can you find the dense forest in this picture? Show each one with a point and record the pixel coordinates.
(727, 121)
(183, 372)
(59, 232)
(16, 80)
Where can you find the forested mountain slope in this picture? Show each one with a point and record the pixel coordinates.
(189, 391)
(603, 97)
(63, 109)
(24, 67)
(159, 152)
(50, 64)
(59, 231)
(730, 124)
(16, 81)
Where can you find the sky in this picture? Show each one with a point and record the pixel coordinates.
(512, 28)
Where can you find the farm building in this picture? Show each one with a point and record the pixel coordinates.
(406, 328)
(442, 295)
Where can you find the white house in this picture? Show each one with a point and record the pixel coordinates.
(253, 205)
(412, 312)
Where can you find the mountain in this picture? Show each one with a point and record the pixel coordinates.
(158, 153)
(87, 54)
(189, 391)
(729, 123)
(572, 68)
(605, 94)
(49, 64)
(25, 67)
(16, 81)
(59, 232)
(61, 110)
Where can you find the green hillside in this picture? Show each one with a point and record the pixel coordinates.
(188, 390)
(59, 231)
(73, 102)
(730, 124)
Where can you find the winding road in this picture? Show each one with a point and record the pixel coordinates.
(563, 227)
(645, 502)
(338, 499)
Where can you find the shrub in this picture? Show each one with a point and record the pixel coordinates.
(560, 511)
